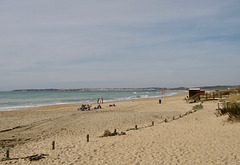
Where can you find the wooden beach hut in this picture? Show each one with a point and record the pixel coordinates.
(195, 93)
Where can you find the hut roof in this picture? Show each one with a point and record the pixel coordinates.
(194, 89)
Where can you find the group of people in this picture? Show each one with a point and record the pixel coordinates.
(85, 107)
(100, 100)
(190, 101)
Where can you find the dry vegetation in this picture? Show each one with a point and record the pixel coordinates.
(231, 105)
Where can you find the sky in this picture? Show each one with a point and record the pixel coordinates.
(119, 44)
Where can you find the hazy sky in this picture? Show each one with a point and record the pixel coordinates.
(127, 43)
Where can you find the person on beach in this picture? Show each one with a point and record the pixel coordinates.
(98, 107)
(112, 105)
(102, 100)
(88, 107)
(98, 100)
(186, 98)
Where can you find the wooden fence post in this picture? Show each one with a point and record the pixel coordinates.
(87, 137)
(53, 145)
(7, 154)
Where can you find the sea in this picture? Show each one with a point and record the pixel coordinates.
(12, 100)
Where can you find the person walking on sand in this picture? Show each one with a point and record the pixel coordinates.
(98, 100)
(102, 100)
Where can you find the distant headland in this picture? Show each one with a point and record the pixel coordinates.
(219, 87)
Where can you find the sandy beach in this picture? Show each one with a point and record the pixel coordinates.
(195, 138)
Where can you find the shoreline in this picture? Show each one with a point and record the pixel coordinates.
(78, 103)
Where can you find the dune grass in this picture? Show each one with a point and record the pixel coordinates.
(232, 110)
(233, 98)
(231, 104)
(198, 107)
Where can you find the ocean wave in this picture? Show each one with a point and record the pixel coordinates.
(15, 107)
(28, 100)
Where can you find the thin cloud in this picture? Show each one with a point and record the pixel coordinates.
(118, 43)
